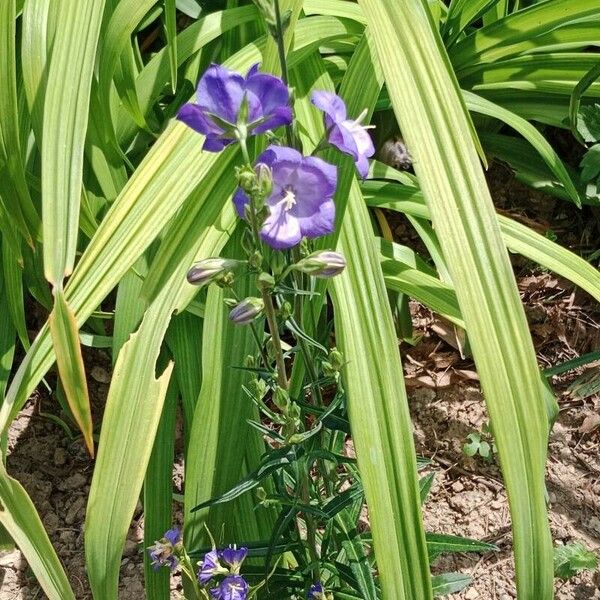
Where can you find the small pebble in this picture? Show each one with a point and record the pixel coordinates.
(100, 374)
(457, 486)
(471, 594)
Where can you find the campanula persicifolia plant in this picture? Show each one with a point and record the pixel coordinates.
(286, 201)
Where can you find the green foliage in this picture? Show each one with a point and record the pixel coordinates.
(572, 559)
(98, 183)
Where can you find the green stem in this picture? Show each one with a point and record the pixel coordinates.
(255, 334)
(281, 44)
(274, 330)
(279, 39)
(188, 571)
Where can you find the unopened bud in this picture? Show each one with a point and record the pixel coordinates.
(265, 281)
(277, 262)
(207, 270)
(246, 179)
(281, 398)
(264, 180)
(336, 358)
(246, 311)
(323, 264)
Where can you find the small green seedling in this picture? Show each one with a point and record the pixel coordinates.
(571, 559)
(481, 443)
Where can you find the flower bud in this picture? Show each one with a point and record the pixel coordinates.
(278, 263)
(322, 264)
(246, 179)
(281, 398)
(246, 311)
(264, 180)
(205, 271)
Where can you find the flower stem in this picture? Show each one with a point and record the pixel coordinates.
(279, 39)
(188, 570)
(274, 330)
(281, 44)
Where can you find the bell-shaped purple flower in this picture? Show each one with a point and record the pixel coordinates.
(162, 553)
(233, 587)
(234, 557)
(347, 135)
(301, 201)
(210, 567)
(219, 98)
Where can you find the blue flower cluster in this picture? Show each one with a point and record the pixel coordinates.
(231, 107)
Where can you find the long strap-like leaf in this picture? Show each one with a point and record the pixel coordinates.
(433, 119)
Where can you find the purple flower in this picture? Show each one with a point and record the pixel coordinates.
(220, 95)
(316, 591)
(301, 201)
(234, 557)
(162, 552)
(210, 567)
(233, 587)
(345, 134)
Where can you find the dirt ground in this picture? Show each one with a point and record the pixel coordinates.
(467, 497)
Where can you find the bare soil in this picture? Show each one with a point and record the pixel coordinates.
(467, 497)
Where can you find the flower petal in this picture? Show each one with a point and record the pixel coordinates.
(216, 144)
(220, 92)
(279, 154)
(326, 170)
(320, 223)
(281, 229)
(193, 116)
(282, 115)
(271, 92)
(362, 166)
(240, 200)
(331, 104)
(362, 139)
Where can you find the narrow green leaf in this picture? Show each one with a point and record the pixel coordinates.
(134, 406)
(35, 44)
(427, 103)
(131, 417)
(584, 83)
(530, 133)
(440, 543)
(13, 291)
(69, 360)
(518, 32)
(19, 204)
(65, 119)
(184, 338)
(158, 495)
(221, 413)
(462, 13)
(170, 16)
(449, 583)
(8, 336)
(378, 412)
(519, 238)
(21, 520)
